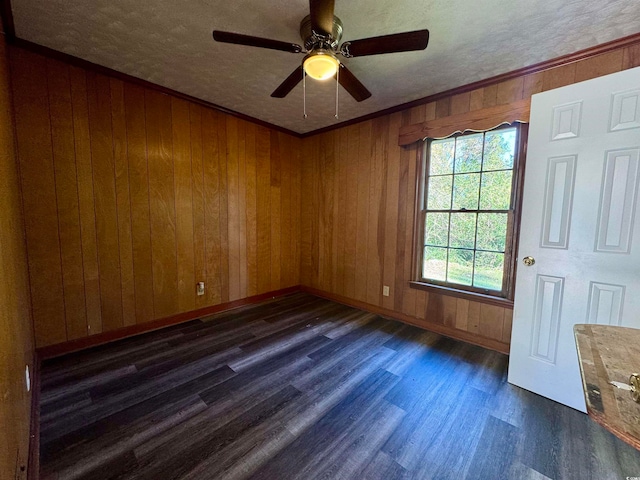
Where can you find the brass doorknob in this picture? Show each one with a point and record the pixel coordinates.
(528, 261)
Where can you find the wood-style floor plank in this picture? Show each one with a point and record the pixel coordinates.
(299, 387)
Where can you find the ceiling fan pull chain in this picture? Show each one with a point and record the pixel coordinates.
(337, 85)
(304, 94)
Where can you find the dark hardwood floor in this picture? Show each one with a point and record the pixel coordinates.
(304, 388)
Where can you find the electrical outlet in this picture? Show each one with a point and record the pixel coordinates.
(200, 288)
(385, 290)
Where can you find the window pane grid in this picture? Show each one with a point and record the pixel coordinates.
(467, 249)
(475, 237)
(464, 210)
(467, 173)
(463, 177)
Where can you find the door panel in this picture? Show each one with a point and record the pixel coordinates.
(617, 206)
(579, 222)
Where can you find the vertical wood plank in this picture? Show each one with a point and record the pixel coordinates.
(418, 114)
(377, 211)
(490, 96)
(410, 294)
(306, 180)
(364, 162)
(473, 317)
(422, 300)
(391, 217)
(285, 209)
(491, 321)
(162, 203)
(211, 189)
(296, 213)
(631, 57)
(430, 111)
(351, 205)
(104, 187)
(558, 77)
(449, 311)
(402, 276)
(599, 65)
(232, 155)
(263, 198)
(275, 209)
(336, 239)
(86, 201)
(31, 106)
(442, 309)
(223, 220)
(242, 206)
(476, 99)
(509, 91)
(532, 84)
(340, 189)
(326, 200)
(462, 314)
(199, 233)
(460, 103)
(123, 201)
(66, 181)
(435, 308)
(251, 208)
(183, 180)
(443, 108)
(139, 195)
(314, 193)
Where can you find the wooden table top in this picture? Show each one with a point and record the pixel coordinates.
(610, 354)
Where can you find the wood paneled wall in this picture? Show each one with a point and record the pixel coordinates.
(132, 196)
(16, 334)
(358, 207)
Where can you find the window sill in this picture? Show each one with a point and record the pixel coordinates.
(454, 292)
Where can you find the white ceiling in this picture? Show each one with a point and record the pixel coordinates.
(169, 42)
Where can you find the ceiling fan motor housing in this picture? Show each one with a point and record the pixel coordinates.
(313, 40)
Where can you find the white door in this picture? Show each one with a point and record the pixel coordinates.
(579, 223)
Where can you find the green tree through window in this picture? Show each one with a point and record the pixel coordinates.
(468, 210)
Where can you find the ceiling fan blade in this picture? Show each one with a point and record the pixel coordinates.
(397, 42)
(239, 39)
(289, 84)
(352, 85)
(322, 16)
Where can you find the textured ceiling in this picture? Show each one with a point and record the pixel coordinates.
(169, 43)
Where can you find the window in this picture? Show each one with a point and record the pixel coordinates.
(468, 211)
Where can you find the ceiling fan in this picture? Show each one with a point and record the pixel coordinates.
(321, 32)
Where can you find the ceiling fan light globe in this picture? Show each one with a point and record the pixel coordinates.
(321, 66)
